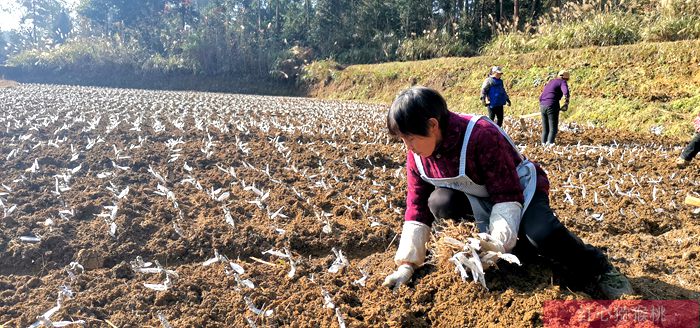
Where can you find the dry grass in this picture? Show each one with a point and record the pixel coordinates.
(460, 230)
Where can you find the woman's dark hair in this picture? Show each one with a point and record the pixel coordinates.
(411, 110)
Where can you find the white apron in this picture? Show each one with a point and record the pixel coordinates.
(476, 193)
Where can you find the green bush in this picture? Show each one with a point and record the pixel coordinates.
(95, 54)
(289, 63)
(156, 63)
(667, 28)
(434, 44)
(594, 23)
(516, 42)
(101, 56)
(319, 71)
(603, 29)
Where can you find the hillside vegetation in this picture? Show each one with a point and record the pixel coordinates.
(639, 88)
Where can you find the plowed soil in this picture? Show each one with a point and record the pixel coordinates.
(298, 174)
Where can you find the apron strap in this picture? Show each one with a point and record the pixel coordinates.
(419, 165)
(467, 135)
(531, 186)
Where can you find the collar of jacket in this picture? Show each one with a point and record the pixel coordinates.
(452, 135)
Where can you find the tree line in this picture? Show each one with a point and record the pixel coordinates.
(260, 37)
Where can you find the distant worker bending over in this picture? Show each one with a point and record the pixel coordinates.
(465, 166)
(692, 148)
(550, 108)
(493, 90)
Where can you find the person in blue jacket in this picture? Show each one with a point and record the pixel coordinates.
(493, 89)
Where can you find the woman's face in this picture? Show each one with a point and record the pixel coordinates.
(424, 146)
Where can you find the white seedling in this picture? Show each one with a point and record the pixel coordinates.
(156, 174)
(163, 321)
(90, 144)
(123, 168)
(123, 193)
(228, 217)
(34, 168)
(363, 280)
(140, 266)
(167, 283)
(327, 300)
(477, 255)
(76, 169)
(59, 188)
(293, 268)
(243, 282)
(110, 218)
(236, 268)
(104, 175)
(30, 239)
(340, 262)
(164, 191)
(223, 197)
(470, 260)
(230, 171)
(217, 257)
(72, 270)
(44, 320)
(8, 211)
(65, 214)
(278, 213)
(187, 167)
(339, 315)
(12, 153)
(49, 223)
(252, 307)
(287, 255)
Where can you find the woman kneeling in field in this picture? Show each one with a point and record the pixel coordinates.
(459, 166)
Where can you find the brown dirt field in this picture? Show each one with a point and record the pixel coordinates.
(330, 170)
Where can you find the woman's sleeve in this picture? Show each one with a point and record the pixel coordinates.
(485, 88)
(565, 91)
(417, 193)
(696, 122)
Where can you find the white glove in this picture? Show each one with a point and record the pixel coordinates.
(487, 243)
(400, 277)
(412, 244)
(504, 223)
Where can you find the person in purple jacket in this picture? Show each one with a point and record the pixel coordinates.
(465, 166)
(550, 108)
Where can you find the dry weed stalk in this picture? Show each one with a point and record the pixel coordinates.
(444, 230)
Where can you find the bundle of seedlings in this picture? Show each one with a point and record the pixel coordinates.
(459, 244)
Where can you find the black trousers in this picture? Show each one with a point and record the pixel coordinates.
(497, 112)
(692, 148)
(550, 123)
(540, 232)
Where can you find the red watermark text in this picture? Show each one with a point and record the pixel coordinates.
(622, 313)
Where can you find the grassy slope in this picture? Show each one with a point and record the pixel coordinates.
(632, 87)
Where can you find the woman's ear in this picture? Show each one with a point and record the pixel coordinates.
(434, 128)
(433, 123)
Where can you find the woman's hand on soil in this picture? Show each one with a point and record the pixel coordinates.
(399, 277)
